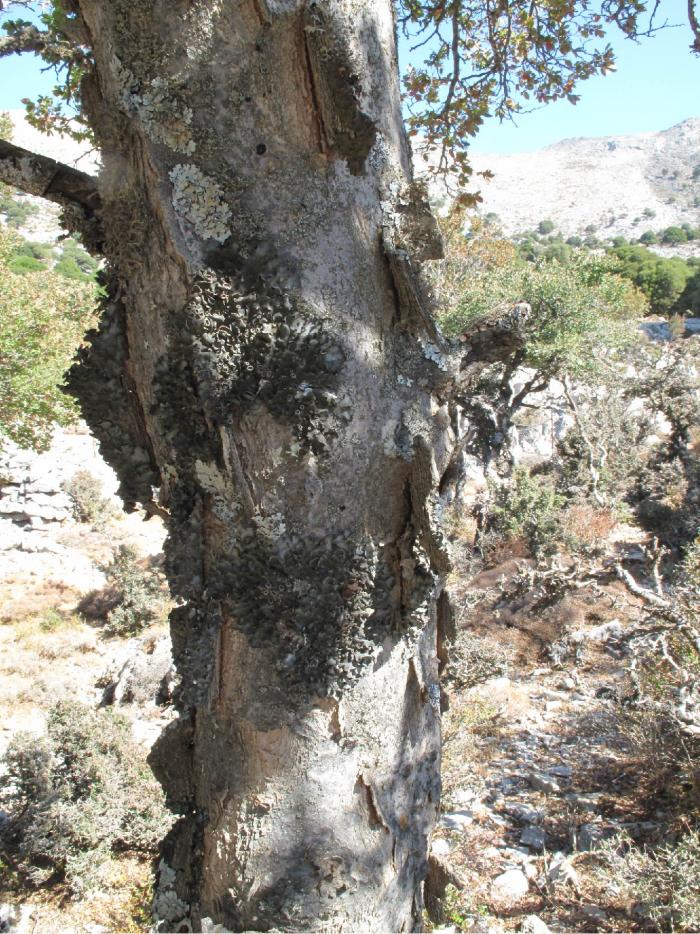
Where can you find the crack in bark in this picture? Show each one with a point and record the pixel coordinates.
(317, 115)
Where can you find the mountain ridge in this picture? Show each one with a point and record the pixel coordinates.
(619, 185)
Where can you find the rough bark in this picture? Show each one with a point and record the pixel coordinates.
(266, 368)
(75, 191)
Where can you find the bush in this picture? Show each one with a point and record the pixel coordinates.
(545, 227)
(89, 505)
(43, 319)
(139, 594)
(23, 265)
(528, 509)
(77, 796)
(674, 235)
(663, 882)
(577, 306)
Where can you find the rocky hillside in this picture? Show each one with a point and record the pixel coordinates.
(620, 185)
(612, 183)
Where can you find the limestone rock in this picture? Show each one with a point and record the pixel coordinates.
(510, 886)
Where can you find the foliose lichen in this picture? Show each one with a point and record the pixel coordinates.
(199, 202)
(254, 345)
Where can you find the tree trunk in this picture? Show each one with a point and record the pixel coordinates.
(266, 362)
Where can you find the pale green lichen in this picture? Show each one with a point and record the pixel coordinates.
(198, 199)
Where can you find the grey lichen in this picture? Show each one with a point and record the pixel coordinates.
(166, 119)
(199, 201)
(169, 912)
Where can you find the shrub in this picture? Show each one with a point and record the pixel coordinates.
(577, 308)
(43, 322)
(77, 796)
(545, 227)
(664, 881)
(674, 235)
(529, 508)
(23, 265)
(89, 505)
(139, 594)
(647, 237)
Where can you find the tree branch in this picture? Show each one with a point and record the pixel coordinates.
(694, 25)
(39, 175)
(75, 191)
(26, 39)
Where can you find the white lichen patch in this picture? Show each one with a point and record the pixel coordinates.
(167, 907)
(432, 353)
(165, 118)
(199, 200)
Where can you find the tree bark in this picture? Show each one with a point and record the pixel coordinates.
(266, 368)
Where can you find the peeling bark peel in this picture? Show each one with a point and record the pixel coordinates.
(274, 372)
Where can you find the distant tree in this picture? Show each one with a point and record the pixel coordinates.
(574, 315)
(545, 227)
(674, 235)
(661, 280)
(647, 237)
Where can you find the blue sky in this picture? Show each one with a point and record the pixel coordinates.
(656, 85)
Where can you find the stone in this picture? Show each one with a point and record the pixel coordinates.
(593, 913)
(510, 886)
(544, 783)
(440, 847)
(561, 771)
(534, 837)
(593, 834)
(457, 820)
(524, 813)
(146, 677)
(562, 872)
(589, 802)
(531, 924)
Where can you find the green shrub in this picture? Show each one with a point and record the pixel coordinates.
(674, 235)
(577, 306)
(139, 594)
(77, 796)
(22, 265)
(43, 320)
(528, 509)
(89, 505)
(545, 227)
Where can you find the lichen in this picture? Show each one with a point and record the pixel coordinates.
(165, 118)
(199, 202)
(169, 912)
(97, 380)
(252, 344)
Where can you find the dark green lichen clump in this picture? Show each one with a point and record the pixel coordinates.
(260, 345)
(100, 382)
